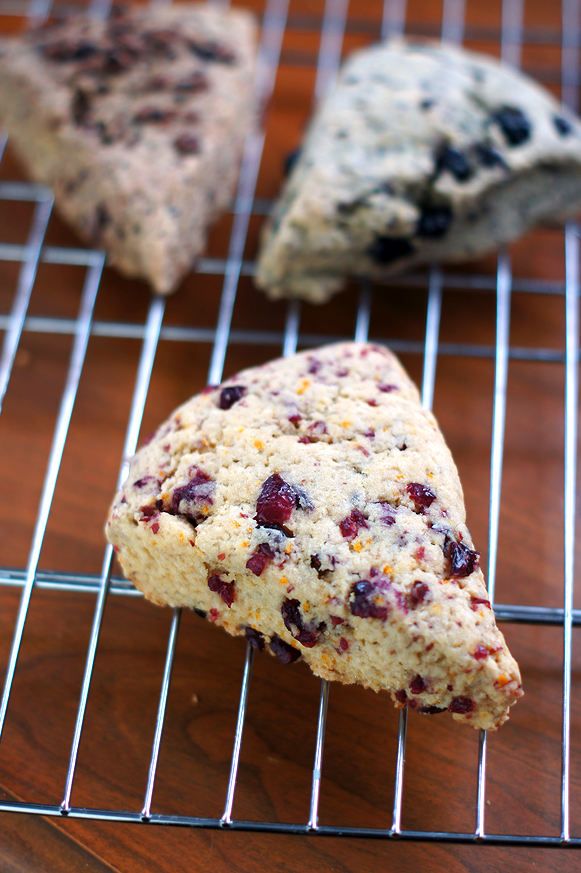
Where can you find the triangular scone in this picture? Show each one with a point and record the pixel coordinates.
(137, 123)
(313, 505)
(422, 153)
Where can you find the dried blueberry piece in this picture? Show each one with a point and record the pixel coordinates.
(187, 144)
(366, 601)
(388, 517)
(286, 654)
(488, 156)
(231, 395)
(255, 638)
(434, 222)
(462, 559)
(294, 623)
(462, 705)
(431, 710)
(276, 501)
(385, 249)
(223, 588)
(514, 124)
(350, 525)
(453, 160)
(421, 495)
(418, 684)
(562, 126)
(291, 161)
(201, 612)
(427, 104)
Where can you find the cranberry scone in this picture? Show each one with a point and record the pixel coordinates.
(422, 153)
(137, 123)
(313, 506)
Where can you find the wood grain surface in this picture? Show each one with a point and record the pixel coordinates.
(524, 764)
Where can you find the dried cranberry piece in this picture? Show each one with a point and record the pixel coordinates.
(286, 654)
(141, 483)
(462, 705)
(343, 643)
(229, 396)
(149, 511)
(223, 588)
(336, 620)
(350, 525)
(80, 107)
(421, 495)
(418, 594)
(562, 126)
(386, 388)
(61, 50)
(315, 562)
(480, 653)
(294, 623)
(401, 696)
(291, 160)
(276, 501)
(187, 144)
(295, 419)
(385, 249)
(417, 684)
(431, 710)
(453, 160)
(196, 81)
(153, 115)
(514, 124)
(365, 600)
(462, 559)
(255, 638)
(256, 564)
(212, 51)
(434, 221)
(479, 601)
(199, 489)
(388, 518)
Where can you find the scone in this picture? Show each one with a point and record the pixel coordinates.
(422, 153)
(311, 505)
(137, 123)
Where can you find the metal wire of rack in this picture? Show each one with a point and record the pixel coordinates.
(333, 26)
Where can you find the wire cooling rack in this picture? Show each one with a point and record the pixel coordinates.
(333, 24)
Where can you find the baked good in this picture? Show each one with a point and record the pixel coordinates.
(423, 153)
(137, 123)
(313, 506)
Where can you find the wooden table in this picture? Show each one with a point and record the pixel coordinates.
(359, 765)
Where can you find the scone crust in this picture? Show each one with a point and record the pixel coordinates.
(311, 504)
(137, 123)
(422, 153)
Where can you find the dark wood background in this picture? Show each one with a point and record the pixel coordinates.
(523, 787)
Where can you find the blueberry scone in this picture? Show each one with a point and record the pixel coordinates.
(422, 153)
(138, 123)
(313, 506)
